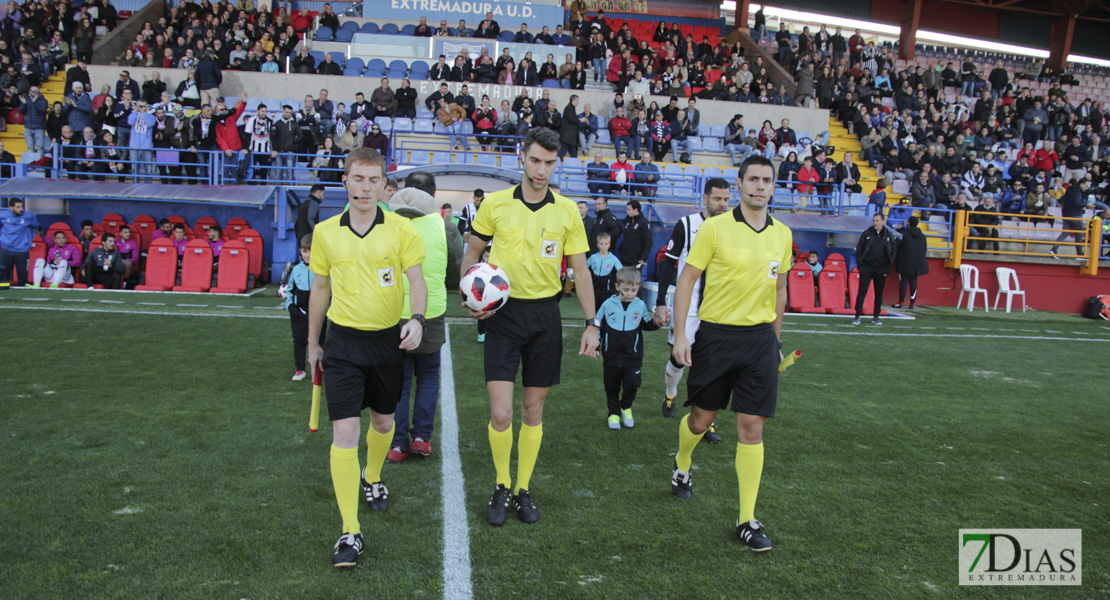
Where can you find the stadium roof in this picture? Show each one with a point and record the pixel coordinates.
(233, 195)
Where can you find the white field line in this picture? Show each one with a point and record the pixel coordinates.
(456, 534)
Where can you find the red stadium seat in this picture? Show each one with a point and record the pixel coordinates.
(111, 222)
(196, 267)
(235, 225)
(253, 241)
(831, 284)
(59, 226)
(175, 219)
(161, 267)
(836, 262)
(203, 223)
(38, 250)
(145, 225)
(232, 274)
(800, 290)
(853, 294)
(124, 15)
(98, 229)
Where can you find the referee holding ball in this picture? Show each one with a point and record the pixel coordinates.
(534, 229)
(358, 257)
(745, 256)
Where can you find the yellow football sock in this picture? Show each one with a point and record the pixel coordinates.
(377, 446)
(687, 440)
(749, 468)
(344, 478)
(501, 443)
(526, 454)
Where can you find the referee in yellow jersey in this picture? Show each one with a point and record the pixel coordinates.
(358, 257)
(745, 256)
(532, 228)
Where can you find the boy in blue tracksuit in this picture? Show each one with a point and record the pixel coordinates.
(603, 267)
(296, 292)
(623, 317)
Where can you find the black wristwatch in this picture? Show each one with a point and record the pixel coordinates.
(593, 322)
(420, 319)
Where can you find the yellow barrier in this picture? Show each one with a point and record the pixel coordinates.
(1091, 228)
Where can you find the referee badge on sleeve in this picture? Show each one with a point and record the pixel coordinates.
(773, 269)
(549, 249)
(385, 277)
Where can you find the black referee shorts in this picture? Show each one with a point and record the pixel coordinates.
(528, 332)
(362, 369)
(739, 361)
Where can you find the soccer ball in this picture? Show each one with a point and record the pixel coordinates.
(484, 288)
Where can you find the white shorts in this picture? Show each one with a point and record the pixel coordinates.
(692, 324)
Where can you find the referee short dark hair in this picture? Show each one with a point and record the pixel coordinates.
(546, 138)
(421, 181)
(716, 183)
(365, 156)
(752, 161)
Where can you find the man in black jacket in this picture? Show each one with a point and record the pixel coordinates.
(874, 257)
(588, 222)
(285, 135)
(912, 261)
(308, 213)
(636, 248)
(985, 224)
(104, 265)
(606, 221)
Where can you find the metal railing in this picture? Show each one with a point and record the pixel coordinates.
(1024, 236)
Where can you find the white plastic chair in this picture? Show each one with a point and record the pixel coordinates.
(1004, 277)
(969, 278)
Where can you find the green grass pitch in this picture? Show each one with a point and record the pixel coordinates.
(166, 455)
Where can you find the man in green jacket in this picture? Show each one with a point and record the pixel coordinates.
(443, 249)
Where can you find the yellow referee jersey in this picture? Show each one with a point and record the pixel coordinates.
(365, 270)
(741, 267)
(530, 240)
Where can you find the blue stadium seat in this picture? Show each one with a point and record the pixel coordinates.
(441, 157)
(718, 131)
(352, 71)
(395, 74)
(453, 32)
(399, 65)
(252, 104)
(296, 104)
(684, 190)
(316, 55)
(422, 125)
(603, 136)
(665, 190)
(389, 29)
(324, 34)
(506, 36)
(486, 159)
(273, 105)
(576, 184)
(509, 160)
(402, 125)
(408, 29)
(368, 28)
(349, 25)
(730, 174)
(673, 172)
(420, 158)
(376, 64)
(355, 62)
(344, 35)
(551, 83)
(385, 123)
(695, 143)
(418, 67)
(372, 72)
(468, 127)
(710, 172)
(422, 112)
(712, 144)
(438, 127)
(572, 165)
(338, 57)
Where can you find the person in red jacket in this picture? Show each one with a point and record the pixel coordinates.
(227, 136)
(807, 176)
(485, 120)
(620, 130)
(615, 173)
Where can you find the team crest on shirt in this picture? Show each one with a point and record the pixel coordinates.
(773, 269)
(635, 318)
(549, 249)
(385, 277)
